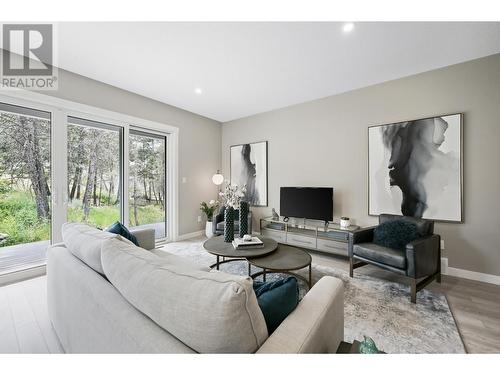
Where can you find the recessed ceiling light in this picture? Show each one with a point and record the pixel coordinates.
(348, 27)
(198, 91)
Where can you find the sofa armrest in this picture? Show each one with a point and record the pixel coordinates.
(315, 326)
(423, 256)
(360, 236)
(145, 238)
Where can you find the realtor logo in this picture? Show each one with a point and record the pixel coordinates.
(28, 64)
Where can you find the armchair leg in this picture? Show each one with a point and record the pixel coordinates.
(413, 291)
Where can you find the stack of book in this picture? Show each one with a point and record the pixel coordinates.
(254, 243)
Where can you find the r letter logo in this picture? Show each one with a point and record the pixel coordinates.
(28, 57)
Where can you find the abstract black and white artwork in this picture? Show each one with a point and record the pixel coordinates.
(415, 168)
(249, 167)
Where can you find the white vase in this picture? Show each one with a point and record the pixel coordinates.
(345, 223)
(208, 229)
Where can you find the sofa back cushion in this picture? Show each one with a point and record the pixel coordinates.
(211, 312)
(84, 242)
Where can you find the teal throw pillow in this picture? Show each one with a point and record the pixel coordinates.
(119, 228)
(395, 234)
(277, 299)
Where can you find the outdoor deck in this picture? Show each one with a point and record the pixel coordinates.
(24, 256)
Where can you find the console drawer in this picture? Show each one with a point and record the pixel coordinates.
(275, 235)
(334, 247)
(301, 241)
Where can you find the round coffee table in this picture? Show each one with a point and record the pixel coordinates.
(216, 246)
(284, 260)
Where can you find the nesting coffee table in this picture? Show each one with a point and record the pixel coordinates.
(216, 246)
(272, 258)
(284, 260)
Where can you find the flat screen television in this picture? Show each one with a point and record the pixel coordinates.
(307, 202)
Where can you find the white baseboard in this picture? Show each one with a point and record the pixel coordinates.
(466, 274)
(187, 236)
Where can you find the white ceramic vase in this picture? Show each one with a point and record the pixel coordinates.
(345, 223)
(208, 229)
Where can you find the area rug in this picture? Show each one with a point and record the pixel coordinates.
(373, 307)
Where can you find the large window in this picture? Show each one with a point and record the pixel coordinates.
(94, 172)
(147, 193)
(25, 187)
(65, 162)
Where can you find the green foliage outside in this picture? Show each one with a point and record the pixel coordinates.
(18, 217)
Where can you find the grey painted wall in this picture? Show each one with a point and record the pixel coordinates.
(199, 137)
(324, 142)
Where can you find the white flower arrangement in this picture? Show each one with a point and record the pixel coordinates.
(233, 194)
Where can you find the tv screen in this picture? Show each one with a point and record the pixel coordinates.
(307, 202)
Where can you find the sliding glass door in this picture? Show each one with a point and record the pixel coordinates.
(94, 186)
(59, 165)
(25, 187)
(147, 192)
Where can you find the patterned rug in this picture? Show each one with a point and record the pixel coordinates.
(373, 307)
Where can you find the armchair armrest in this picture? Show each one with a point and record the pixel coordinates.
(217, 218)
(316, 325)
(145, 238)
(360, 236)
(423, 256)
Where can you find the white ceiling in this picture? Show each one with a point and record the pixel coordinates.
(248, 68)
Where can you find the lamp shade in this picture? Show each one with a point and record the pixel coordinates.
(217, 178)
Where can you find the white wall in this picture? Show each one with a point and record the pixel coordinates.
(324, 143)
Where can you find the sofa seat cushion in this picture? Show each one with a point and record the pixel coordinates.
(380, 254)
(277, 299)
(211, 312)
(84, 242)
(220, 226)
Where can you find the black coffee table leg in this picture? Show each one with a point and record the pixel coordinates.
(249, 269)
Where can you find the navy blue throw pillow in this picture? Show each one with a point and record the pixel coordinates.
(277, 299)
(395, 234)
(119, 228)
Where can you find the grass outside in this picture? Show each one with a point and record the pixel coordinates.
(18, 219)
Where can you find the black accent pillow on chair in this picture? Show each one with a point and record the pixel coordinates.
(395, 234)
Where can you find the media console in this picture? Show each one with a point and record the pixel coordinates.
(330, 239)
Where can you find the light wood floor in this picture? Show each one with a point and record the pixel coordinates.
(25, 326)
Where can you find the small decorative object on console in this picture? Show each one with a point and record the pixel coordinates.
(345, 222)
(275, 215)
(247, 237)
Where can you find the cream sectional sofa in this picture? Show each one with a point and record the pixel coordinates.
(106, 295)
